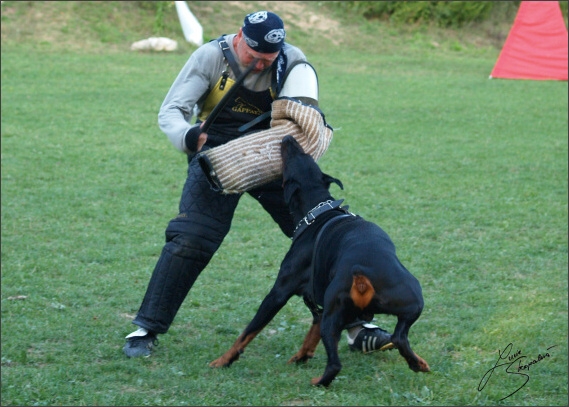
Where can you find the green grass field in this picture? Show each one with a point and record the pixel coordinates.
(468, 176)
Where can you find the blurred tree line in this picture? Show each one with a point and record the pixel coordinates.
(446, 14)
(442, 13)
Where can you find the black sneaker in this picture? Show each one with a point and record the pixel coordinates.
(370, 338)
(140, 343)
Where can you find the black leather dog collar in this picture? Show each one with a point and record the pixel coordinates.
(314, 213)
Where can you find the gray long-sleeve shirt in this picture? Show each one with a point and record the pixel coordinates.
(196, 79)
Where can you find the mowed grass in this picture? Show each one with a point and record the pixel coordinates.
(468, 176)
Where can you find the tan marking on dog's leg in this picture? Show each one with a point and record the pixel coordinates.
(417, 363)
(362, 291)
(233, 353)
(308, 346)
(315, 381)
(423, 365)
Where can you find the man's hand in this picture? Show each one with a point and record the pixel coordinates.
(195, 139)
(201, 141)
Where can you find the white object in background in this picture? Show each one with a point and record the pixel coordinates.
(155, 44)
(191, 27)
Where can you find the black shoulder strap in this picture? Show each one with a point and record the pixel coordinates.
(229, 56)
(279, 70)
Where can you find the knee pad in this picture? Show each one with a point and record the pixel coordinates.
(196, 238)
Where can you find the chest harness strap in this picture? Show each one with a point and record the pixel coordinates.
(310, 300)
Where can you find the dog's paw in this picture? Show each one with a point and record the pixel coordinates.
(316, 381)
(223, 362)
(423, 365)
(301, 357)
(418, 364)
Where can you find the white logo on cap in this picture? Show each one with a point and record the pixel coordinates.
(257, 17)
(275, 36)
(250, 42)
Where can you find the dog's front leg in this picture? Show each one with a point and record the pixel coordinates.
(309, 345)
(271, 305)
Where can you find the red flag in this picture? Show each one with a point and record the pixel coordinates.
(536, 47)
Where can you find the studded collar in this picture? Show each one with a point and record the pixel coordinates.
(312, 214)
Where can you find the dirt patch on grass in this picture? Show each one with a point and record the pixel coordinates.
(297, 15)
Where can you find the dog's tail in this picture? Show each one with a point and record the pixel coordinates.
(362, 291)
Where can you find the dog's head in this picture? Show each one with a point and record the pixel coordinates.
(305, 185)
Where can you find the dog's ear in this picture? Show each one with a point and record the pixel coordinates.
(289, 190)
(328, 180)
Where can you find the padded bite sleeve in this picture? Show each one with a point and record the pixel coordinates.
(253, 160)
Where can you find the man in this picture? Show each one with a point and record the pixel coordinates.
(205, 215)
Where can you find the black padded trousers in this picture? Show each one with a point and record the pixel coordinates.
(192, 238)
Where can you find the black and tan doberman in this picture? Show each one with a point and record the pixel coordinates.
(342, 265)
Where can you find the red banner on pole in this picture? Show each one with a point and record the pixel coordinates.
(536, 47)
